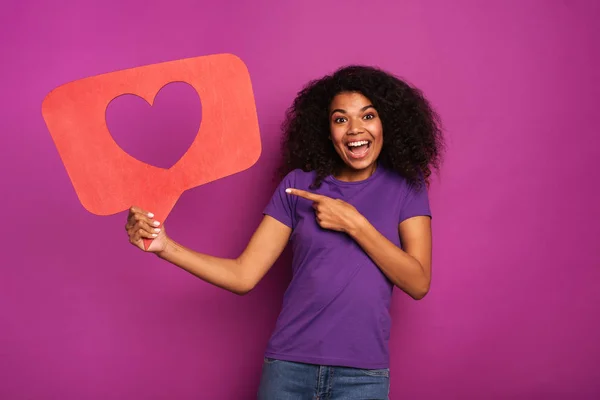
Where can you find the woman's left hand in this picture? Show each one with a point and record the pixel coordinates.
(333, 214)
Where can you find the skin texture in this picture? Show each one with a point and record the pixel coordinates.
(354, 119)
(238, 275)
(351, 117)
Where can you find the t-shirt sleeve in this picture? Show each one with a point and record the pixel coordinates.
(416, 202)
(281, 206)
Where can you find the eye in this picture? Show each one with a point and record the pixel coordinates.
(369, 116)
(339, 120)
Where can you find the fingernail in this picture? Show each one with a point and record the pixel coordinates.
(288, 190)
(150, 215)
(156, 230)
(154, 235)
(156, 223)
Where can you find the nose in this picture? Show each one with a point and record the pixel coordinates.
(355, 126)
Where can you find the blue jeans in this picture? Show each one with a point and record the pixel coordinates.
(285, 380)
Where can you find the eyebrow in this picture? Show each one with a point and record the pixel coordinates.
(344, 111)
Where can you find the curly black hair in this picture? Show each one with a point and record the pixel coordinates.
(412, 135)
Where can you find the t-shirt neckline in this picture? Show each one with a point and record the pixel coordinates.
(375, 174)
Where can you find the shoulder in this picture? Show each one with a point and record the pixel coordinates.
(412, 198)
(299, 179)
(393, 178)
(401, 189)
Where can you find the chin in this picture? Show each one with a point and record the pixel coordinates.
(360, 166)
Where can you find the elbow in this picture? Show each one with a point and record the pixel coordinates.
(421, 287)
(419, 292)
(241, 291)
(242, 282)
(419, 295)
(243, 287)
(414, 292)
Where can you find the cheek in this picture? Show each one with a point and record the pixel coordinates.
(377, 131)
(336, 137)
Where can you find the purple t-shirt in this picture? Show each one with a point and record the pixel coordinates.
(336, 310)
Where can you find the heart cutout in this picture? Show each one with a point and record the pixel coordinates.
(157, 134)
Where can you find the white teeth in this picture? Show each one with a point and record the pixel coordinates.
(357, 144)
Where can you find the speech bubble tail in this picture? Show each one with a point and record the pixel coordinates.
(147, 243)
(161, 208)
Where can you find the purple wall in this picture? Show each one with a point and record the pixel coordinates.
(513, 310)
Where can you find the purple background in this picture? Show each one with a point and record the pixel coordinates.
(513, 310)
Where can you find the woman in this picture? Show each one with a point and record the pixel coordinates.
(358, 151)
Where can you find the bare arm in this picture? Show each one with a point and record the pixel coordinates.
(238, 275)
(408, 269)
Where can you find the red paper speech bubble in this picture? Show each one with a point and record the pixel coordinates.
(107, 180)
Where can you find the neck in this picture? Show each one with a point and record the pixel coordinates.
(346, 174)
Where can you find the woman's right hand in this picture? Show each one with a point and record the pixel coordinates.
(141, 225)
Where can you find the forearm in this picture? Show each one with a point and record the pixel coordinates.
(402, 269)
(222, 272)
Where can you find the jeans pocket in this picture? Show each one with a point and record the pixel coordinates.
(268, 360)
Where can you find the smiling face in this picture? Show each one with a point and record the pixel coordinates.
(356, 133)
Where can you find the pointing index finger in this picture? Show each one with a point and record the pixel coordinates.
(304, 194)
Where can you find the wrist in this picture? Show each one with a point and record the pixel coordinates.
(357, 225)
(168, 249)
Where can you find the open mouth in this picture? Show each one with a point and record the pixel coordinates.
(358, 149)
